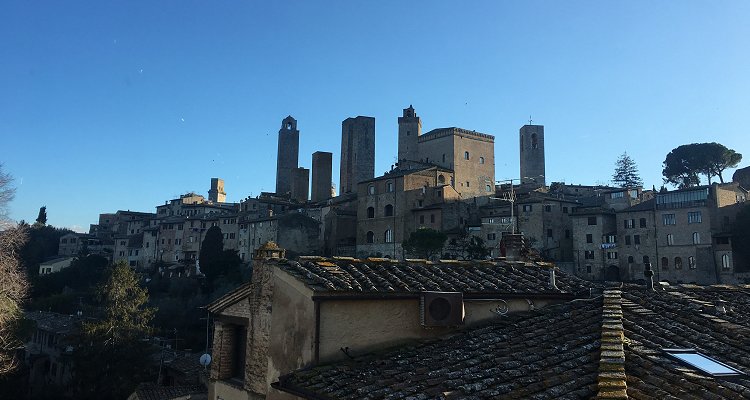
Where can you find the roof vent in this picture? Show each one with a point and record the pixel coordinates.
(441, 309)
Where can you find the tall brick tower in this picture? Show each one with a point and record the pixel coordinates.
(531, 139)
(409, 127)
(322, 162)
(288, 154)
(357, 152)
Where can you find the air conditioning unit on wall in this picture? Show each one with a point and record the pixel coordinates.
(441, 309)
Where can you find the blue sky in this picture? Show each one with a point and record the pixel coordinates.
(125, 104)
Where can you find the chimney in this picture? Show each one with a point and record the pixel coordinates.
(649, 274)
(513, 246)
(552, 284)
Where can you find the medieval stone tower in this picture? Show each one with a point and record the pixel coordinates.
(322, 162)
(409, 128)
(288, 154)
(217, 194)
(357, 152)
(531, 139)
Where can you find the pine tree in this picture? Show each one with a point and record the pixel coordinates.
(626, 172)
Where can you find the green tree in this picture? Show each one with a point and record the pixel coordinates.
(468, 247)
(424, 243)
(111, 358)
(211, 253)
(626, 172)
(41, 219)
(741, 238)
(685, 163)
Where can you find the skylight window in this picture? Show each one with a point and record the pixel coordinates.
(702, 362)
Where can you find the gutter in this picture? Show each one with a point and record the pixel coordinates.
(282, 386)
(466, 296)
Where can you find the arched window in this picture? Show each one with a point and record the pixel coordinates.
(534, 141)
(466, 155)
(677, 263)
(370, 237)
(389, 186)
(646, 260)
(371, 189)
(696, 238)
(691, 262)
(388, 236)
(664, 262)
(630, 259)
(388, 210)
(370, 212)
(670, 240)
(725, 264)
(481, 160)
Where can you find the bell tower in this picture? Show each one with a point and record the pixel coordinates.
(409, 128)
(531, 138)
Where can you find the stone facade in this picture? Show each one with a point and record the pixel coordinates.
(322, 166)
(357, 152)
(300, 184)
(531, 141)
(217, 194)
(409, 129)
(470, 154)
(287, 155)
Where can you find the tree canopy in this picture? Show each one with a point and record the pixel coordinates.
(626, 172)
(468, 247)
(210, 255)
(424, 243)
(112, 345)
(685, 163)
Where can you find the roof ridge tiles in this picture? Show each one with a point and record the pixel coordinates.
(612, 378)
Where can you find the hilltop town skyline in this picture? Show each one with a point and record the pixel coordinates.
(142, 112)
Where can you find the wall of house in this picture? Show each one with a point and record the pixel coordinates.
(368, 325)
(292, 329)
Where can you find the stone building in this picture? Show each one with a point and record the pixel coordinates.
(300, 184)
(287, 155)
(469, 154)
(531, 141)
(392, 206)
(217, 194)
(357, 152)
(685, 235)
(322, 165)
(318, 311)
(409, 130)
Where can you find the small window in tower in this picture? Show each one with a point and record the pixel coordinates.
(408, 133)
(534, 141)
(481, 160)
(466, 155)
(443, 157)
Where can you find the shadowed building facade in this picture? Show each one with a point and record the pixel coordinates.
(322, 162)
(531, 139)
(357, 152)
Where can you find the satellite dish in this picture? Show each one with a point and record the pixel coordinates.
(205, 360)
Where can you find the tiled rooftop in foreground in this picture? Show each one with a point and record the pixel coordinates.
(608, 346)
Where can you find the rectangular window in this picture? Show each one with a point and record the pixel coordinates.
(695, 217)
(565, 210)
(549, 233)
(668, 219)
(627, 240)
(643, 222)
(527, 207)
(611, 255)
(589, 238)
(592, 220)
(589, 254)
(637, 239)
(547, 208)
(491, 236)
(618, 195)
(629, 223)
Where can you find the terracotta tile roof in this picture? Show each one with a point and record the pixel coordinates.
(150, 391)
(230, 298)
(609, 347)
(383, 276)
(548, 354)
